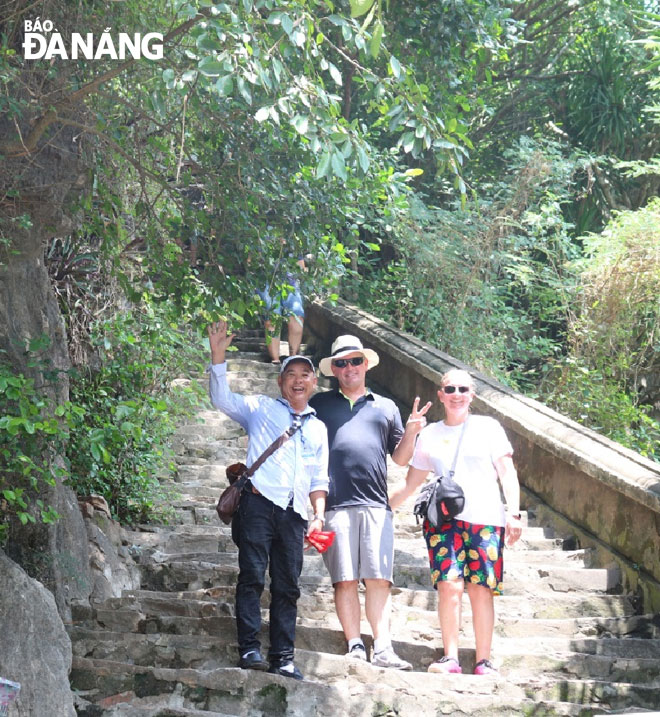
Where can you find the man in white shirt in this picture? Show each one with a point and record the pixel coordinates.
(272, 517)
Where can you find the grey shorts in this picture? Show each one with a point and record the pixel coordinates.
(363, 548)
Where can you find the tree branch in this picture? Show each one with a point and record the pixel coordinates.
(21, 149)
(142, 170)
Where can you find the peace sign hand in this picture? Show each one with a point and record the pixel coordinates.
(417, 418)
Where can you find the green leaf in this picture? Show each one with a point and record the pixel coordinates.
(157, 102)
(208, 42)
(287, 23)
(244, 90)
(323, 166)
(301, 124)
(395, 66)
(360, 7)
(363, 159)
(210, 67)
(376, 40)
(407, 141)
(338, 165)
(335, 74)
(415, 172)
(225, 85)
(262, 114)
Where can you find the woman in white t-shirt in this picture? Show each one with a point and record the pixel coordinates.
(466, 551)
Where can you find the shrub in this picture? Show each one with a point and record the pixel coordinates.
(120, 448)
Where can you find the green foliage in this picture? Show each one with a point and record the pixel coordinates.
(488, 283)
(591, 394)
(606, 94)
(119, 447)
(31, 433)
(609, 377)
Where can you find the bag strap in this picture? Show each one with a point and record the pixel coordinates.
(458, 448)
(296, 425)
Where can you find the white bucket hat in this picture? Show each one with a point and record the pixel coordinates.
(342, 346)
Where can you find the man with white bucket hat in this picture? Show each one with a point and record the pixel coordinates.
(363, 427)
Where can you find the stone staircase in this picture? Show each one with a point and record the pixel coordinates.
(566, 643)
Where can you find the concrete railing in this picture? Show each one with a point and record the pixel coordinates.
(608, 495)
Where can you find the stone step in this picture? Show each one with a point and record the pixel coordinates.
(183, 540)
(321, 607)
(184, 572)
(549, 605)
(515, 661)
(209, 430)
(608, 694)
(349, 688)
(546, 604)
(129, 704)
(180, 539)
(417, 642)
(214, 451)
(213, 473)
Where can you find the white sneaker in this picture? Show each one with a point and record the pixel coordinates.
(357, 652)
(389, 658)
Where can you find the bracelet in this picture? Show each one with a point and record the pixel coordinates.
(318, 517)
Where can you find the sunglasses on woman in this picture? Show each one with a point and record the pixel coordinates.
(342, 363)
(453, 389)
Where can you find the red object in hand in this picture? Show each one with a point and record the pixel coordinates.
(321, 540)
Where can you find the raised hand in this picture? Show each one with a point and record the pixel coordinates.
(417, 418)
(219, 341)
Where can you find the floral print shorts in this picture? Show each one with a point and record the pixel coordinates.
(468, 550)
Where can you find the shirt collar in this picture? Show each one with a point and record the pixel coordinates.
(309, 411)
(367, 396)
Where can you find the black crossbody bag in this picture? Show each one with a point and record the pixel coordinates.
(441, 499)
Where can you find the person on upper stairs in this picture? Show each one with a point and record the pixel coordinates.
(290, 308)
(363, 428)
(271, 522)
(466, 552)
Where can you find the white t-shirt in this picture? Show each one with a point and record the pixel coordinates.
(483, 443)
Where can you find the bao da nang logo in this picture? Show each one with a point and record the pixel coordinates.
(42, 42)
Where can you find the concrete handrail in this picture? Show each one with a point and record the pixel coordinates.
(603, 487)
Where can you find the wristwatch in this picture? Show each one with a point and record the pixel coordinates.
(318, 517)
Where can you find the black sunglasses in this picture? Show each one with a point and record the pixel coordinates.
(452, 389)
(342, 363)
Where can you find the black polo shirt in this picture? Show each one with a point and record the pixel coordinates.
(360, 437)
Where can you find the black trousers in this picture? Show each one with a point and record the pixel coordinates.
(267, 537)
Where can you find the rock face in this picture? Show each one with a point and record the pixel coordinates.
(567, 641)
(112, 569)
(35, 649)
(44, 183)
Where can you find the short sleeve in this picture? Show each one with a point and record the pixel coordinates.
(396, 431)
(499, 442)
